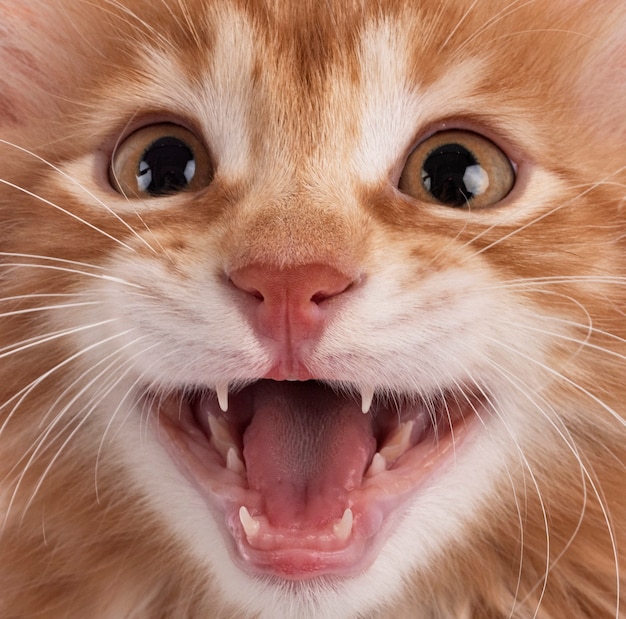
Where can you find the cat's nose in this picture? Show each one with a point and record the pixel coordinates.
(291, 305)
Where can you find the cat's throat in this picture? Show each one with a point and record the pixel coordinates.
(307, 483)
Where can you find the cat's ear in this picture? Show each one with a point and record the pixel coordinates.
(31, 48)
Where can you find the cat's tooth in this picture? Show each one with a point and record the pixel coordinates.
(367, 395)
(221, 389)
(250, 525)
(398, 442)
(234, 462)
(221, 437)
(378, 465)
(343, 528)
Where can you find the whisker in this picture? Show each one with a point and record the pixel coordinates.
(537, 282)
(512, 7)
(44, 444)
(458, 24)
(66, 212)
(82, 188)
(23, 393)
(109, 278)
(79, 380)
(89, 265)
(131, 391)
(541, 217)
(582, 343)
(46, 295)
(141, 27)
(48, 337)
(585, 472)
(489, 398)
(522, 537)
(45, 308)
(559, 375)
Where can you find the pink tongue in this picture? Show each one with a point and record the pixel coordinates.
(305, 449)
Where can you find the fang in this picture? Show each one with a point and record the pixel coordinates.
(250, 526)
(221, 390)
(343, 528)
(367, 395)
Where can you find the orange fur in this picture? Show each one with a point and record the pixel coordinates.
(278, 90)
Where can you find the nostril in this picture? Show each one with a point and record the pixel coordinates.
(296, 286)
(297, 290)
(321, 296)
(293, 303)
(256, 294)
(240, 284)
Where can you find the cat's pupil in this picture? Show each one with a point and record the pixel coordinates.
(453, 176)
(168, 165)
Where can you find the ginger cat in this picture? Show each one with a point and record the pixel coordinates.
(312, 310)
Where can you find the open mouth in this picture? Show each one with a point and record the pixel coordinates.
(310, 478)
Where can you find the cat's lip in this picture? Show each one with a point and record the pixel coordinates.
(344, 533)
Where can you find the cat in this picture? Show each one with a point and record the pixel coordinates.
(312, 309)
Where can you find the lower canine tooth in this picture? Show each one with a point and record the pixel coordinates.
(399, 442)
(250, 526)
(233, 462)
(378, 465)
(343, 528)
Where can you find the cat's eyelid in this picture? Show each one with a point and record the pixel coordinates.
(487, 127)
(141, 119)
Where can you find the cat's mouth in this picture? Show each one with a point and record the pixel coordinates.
(306, 483)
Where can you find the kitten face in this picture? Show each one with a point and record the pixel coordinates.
(309, 311)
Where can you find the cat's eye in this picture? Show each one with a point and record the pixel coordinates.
(160, 160)
(459, 169)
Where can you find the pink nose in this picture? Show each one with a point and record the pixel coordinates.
(290, 305)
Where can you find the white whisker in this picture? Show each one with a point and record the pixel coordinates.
(88, 265)
(562, 377)
(568, 440)
(49, 337)
(82, 188)
(66, 212)
(489, 398)
(109, 278)
(23, 393)
(46, 295)
(45, 308)
(512, 7)
(458, 24)
(45, 442)
(545, 214)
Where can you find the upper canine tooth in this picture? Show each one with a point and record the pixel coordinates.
(221, 389)
(398, 442)
(343, 528)
(367, 395)
(250, 525)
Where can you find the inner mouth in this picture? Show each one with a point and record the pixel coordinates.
(310, 477)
